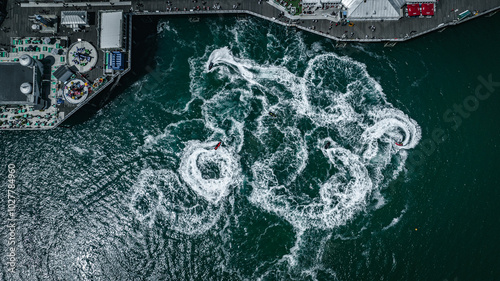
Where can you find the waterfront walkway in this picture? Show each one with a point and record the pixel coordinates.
(363, 31)
(446, 14)
(20, 18)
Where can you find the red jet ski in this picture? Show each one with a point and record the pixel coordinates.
(399, 143)
(217, 146)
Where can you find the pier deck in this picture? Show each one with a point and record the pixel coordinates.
(18, 25)
(388, 30)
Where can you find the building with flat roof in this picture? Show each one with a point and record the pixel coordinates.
(111, 30)
(63, 73)
(21, 83)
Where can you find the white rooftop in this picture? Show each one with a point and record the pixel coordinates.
(369, 9)
(111, 30)
(74, 18)
(372, 9)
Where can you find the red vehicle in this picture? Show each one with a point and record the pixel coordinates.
(217, 146)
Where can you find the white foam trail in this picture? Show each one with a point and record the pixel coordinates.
(223, 56)
(146, 197)
(160, 195)
(391, 125)
(209, 172)
(395, 220)
(338, 202)
(334, 92)
(334, 100)
(165, 26)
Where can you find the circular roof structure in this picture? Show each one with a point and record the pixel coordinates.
(26, 88)
(76, 91)
(25, 60)
(83, 56)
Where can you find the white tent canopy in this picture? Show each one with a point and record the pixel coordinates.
(376, 9)
(74, 19)
(381, 9)
(111, 30)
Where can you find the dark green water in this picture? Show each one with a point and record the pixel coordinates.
(137, 192)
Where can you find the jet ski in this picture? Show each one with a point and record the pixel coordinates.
(210, 65)
(272, 114)
(217, 146)
(327, 145)
(398, 143)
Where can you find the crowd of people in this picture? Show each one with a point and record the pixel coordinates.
(82, 56)
(22, 116)
(76, 89)
(202, 7)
